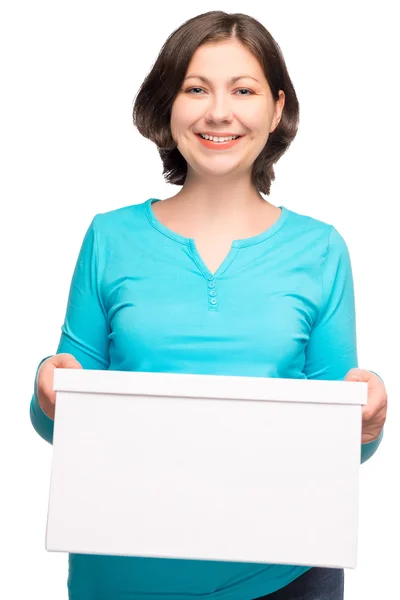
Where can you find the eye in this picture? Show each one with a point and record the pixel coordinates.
(191, 89)
(250, 92)
(245, 90)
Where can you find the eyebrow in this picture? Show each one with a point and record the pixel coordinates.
(232, 80)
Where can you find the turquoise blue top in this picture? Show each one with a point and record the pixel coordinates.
(280, 305)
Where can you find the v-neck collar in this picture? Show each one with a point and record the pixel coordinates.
(261, 237)
(236, 244)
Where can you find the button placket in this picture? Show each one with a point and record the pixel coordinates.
(212, 293)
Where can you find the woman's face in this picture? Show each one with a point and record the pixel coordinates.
(244, 107)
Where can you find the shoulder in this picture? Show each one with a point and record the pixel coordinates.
(115, 221)
(321, 234)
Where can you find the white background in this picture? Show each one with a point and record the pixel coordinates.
(69, 74)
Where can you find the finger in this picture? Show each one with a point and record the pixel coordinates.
(45, 379)
(367, 412)
(373, 412)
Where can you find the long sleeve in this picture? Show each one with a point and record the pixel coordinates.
(85, 330)
(332, 347)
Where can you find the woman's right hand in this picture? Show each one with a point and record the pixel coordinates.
(46, 394)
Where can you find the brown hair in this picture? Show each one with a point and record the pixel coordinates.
(153, 102)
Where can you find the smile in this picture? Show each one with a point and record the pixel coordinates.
(224, 145)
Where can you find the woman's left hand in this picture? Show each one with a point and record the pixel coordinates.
(374, 412)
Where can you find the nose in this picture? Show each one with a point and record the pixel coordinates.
(219, 109)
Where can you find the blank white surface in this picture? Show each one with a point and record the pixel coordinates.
(201, 478)
(211, 386)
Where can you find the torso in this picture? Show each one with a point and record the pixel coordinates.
(164, 312)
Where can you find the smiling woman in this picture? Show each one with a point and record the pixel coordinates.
(214, 280)
(200, 74)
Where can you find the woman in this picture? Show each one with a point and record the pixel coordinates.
(213, 280)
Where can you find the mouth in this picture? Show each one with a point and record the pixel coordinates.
(225, 144)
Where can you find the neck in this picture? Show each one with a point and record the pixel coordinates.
(218, 198)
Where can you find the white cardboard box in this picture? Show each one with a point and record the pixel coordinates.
(206, 467)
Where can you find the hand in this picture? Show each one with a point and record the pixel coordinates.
(46, 394)
(374, 412)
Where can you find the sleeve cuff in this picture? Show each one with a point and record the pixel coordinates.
(369, 448)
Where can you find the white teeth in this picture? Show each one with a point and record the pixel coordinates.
(218, 139)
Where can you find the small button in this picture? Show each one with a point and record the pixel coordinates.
(212, 292)
(211, 284)
(213, 301)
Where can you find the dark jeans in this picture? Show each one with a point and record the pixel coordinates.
(317, 583)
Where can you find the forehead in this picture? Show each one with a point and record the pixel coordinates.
(225, 59)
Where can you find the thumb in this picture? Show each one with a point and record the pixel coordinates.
(355, 375)
(66, 361)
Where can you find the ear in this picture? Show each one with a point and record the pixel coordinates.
(280, 103)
